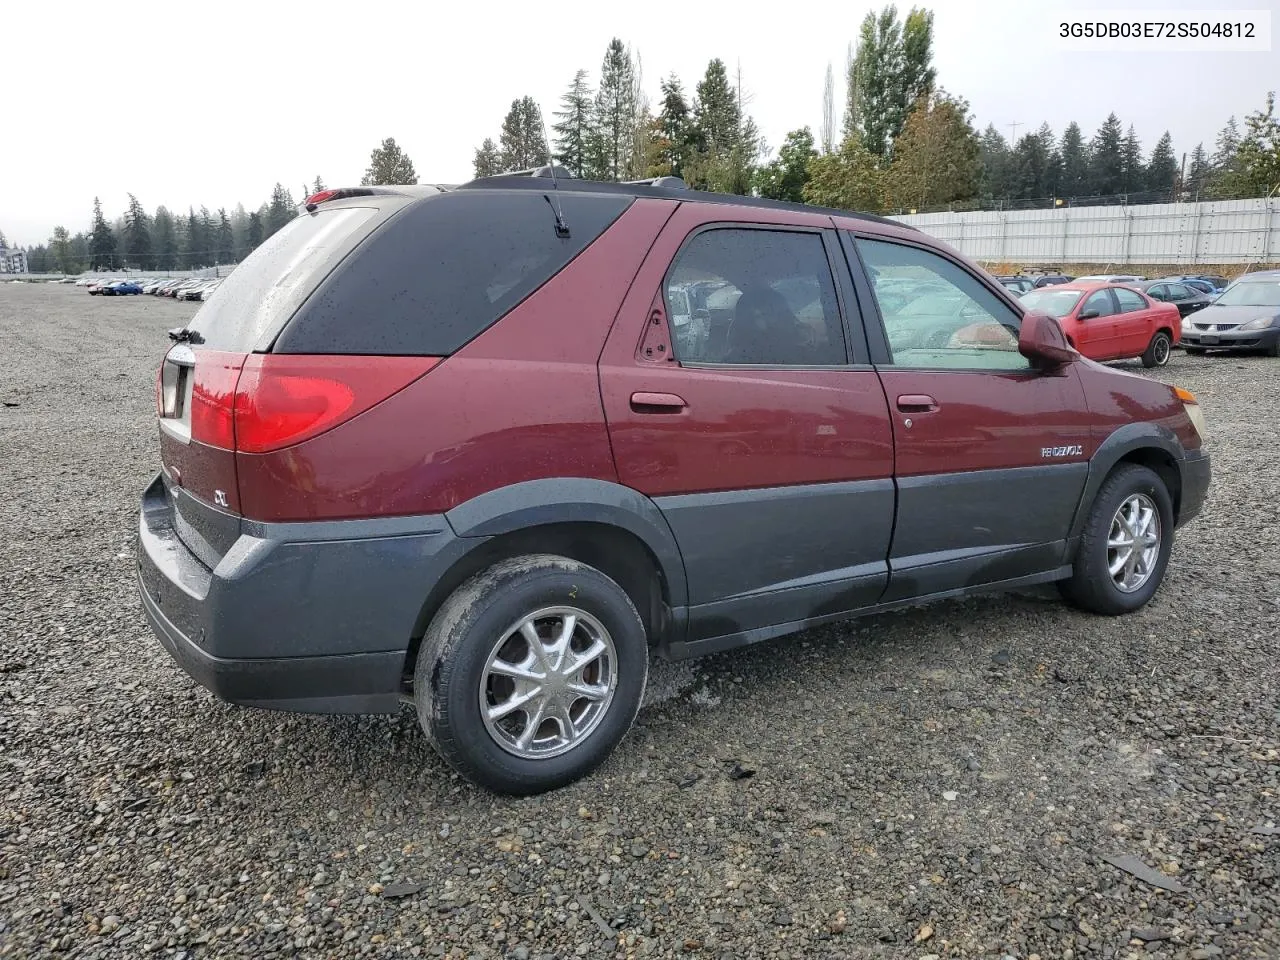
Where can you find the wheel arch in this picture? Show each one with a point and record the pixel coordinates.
(1149, 445)
(605, 525)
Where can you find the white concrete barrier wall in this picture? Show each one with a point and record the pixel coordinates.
(1221, 231)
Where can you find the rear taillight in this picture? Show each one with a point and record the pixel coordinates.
(283, 399)
(213, 391)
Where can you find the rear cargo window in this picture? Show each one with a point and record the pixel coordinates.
(444, 270)
(262, 293)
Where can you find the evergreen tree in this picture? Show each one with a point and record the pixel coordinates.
(1162, 168)
(164, 240)
(786, 176)
(281, 210)
(239, 233)
(193, 245)
(1198, 172)
(995, 157)
(317, 186)
(1224, 151)
(573, 126)
(522, 141)
(674, 125)
(716, 116)
(1258, 157)
(137, 236)
(1133, 175)
(1106, 158)
(1074, 181)
(388, 164)
(225, 246)
(488, 159)
(254, 234)
(102, 242)
(937, 157)
(848, 179)
(1053, 160)
(614, 122)
(1030, 168)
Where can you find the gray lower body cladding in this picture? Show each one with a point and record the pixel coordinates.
(312, 617)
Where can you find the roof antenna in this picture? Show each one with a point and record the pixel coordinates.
(562, 225)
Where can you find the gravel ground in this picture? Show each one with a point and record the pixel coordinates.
(948, 781)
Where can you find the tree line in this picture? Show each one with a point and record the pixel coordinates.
(896, 141)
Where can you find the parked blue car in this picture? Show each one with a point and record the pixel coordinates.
(121, 288)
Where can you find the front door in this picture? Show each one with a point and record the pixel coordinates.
(991, 455)
(1098, 331)
(737, 400)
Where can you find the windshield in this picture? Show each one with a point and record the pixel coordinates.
(1251, 293)
(1056, 303)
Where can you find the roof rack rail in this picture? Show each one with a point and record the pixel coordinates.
(675, 183)
(542, 171)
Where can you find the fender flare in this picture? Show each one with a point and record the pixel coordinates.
(536, 503)
(1123, 441)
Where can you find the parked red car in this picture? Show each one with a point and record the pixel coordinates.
(485, 449)
(1111, 321)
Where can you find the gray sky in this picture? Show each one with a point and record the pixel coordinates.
(190, 103)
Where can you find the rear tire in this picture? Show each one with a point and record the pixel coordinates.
(1274, 349)
(1118, 566)
(1158, 350)
(504, 639)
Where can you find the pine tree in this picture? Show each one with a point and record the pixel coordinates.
(388, 164)
(102, 242)
(1133, 173)
(163, 239)
(716, 116)
(1074, 181)
(281, 209)
(137, 236)
(239, 233)
(193, 249)
(1106, 158)
(1228, 143)
(1030, 168)
(614, 121)
(60, 246)
(254, 234)
(786, 176)
(1258, 157)
(995, 157)
(317, 186)
(488, 159)
(1052, 162)
(1198, 172)
(674, 125)
(1162, 168)
(522, 142)
(573, 129)
(226, 239)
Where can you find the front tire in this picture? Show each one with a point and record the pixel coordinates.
(1124, 548)
(531, 673)
(1158, 350)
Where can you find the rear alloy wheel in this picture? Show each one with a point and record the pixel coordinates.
(1158, 350)
(531, 673)
(1124, 547)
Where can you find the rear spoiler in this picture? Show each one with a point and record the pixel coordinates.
(401, 190)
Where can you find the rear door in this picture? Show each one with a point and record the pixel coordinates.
(757, 425)
(991, 455)
(1136, 321)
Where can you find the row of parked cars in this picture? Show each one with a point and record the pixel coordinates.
(1122, 316)
(180, 288)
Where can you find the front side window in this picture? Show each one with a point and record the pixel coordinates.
(1098, 305)
(1129, 300)
(936, 314)
(1178, 291)
(759, 297)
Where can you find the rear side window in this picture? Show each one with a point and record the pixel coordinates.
(262, 293)
(1129, 300)
(443, 271)
(748, 296)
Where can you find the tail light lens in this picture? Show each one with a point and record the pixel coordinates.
(283, 399)
(213, 391)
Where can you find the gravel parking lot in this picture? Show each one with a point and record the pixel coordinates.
(948, 781)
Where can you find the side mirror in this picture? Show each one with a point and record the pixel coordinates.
(1042, 341)
(1090, 314)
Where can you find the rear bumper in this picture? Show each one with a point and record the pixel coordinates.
(1196, 472)
(310, 617)
(1232, 339)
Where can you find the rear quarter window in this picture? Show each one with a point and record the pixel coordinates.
(443, 271)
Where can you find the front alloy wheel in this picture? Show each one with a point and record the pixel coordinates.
(1133, 546)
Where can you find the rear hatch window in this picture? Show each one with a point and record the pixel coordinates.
(262, 293)
(444, 270)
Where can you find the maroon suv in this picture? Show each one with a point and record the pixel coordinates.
(485, 448)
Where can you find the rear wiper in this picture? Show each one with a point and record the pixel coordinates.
(185, 335)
